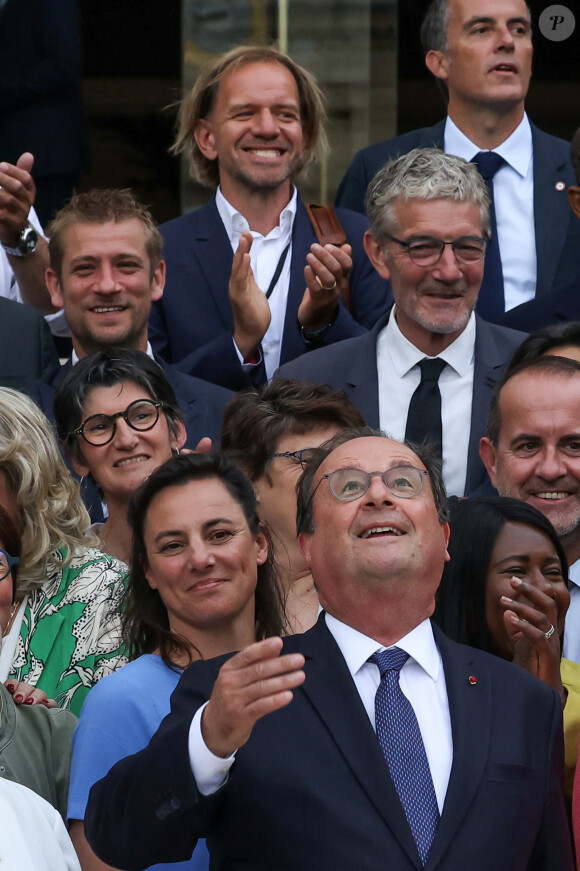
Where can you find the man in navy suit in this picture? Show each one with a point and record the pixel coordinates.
(563, 303)
(482, 56)
(248, 285)
(273, 753)
(429, 220)
(106, 268)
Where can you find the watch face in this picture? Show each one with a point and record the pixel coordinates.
(28, 240)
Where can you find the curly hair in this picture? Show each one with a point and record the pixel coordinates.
(53, 520)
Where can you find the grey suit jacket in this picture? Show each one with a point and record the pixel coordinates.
(352, 366)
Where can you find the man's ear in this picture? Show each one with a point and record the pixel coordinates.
(488, 454)
(376, 255)
(447, 534)
(304, 542)
(437, 63)
(574, 198)
(204, 138)
(158, 280)
(53, 285)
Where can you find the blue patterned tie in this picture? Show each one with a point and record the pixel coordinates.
(491, 300)
(400, 739)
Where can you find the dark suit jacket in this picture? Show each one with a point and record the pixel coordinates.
(27, 350)
(557, 228)
(40, 71)
(562, 304)
(192, 323)
(310, 791)
(352, 366)
(202, 405)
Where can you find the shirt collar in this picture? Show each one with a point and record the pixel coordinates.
(356, 648)
(404, 354)
(516, 150)
(235, 223)
(148, 350)
(574, 573)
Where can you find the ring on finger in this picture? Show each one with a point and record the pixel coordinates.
(332, 286)
(550, 632)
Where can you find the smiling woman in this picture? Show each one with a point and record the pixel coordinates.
(505, 590)
(119, 420)
(202, 585)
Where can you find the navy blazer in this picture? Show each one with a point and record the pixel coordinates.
(27, 349)
(192, 324)
(557, 228)
(311, 791)
(561, 305)
(352, 366)
(202, 405)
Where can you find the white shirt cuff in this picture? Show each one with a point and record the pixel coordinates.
(247, 367)
(210, 771)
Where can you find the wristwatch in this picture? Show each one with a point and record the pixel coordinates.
(28, 240)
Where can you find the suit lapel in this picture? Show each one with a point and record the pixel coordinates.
(302, 238)
(551, 209)
(469, 693)
(362, 382)
(489, 363)
(213, 252)
(332, 693)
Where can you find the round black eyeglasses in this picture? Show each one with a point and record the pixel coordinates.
(99, 429)
(350, 484)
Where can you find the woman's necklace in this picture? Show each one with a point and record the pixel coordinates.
(11, 616)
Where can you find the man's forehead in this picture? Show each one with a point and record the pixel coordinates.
(371, 453)
(126, 235)
(535, 395)
(462, 11)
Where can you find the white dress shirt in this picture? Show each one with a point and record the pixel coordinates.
(571, 647)
(513, 193)
(265, 254)
(399, 376)
(422, 680)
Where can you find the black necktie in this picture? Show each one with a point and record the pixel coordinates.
(424, 417)
(491, 300)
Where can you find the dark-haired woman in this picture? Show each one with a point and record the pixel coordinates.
(201, 585)
(119, 420)
(505, 590)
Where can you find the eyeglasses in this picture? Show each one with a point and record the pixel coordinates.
(99, 429)
(350, 484)
(302, 456)
(6, 563)
(428, 252)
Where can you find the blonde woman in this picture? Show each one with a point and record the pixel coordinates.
(64, 632)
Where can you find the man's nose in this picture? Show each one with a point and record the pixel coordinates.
(378, 492)
(447, 267)
(551, 464)
(265, 123)
(107, 280)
